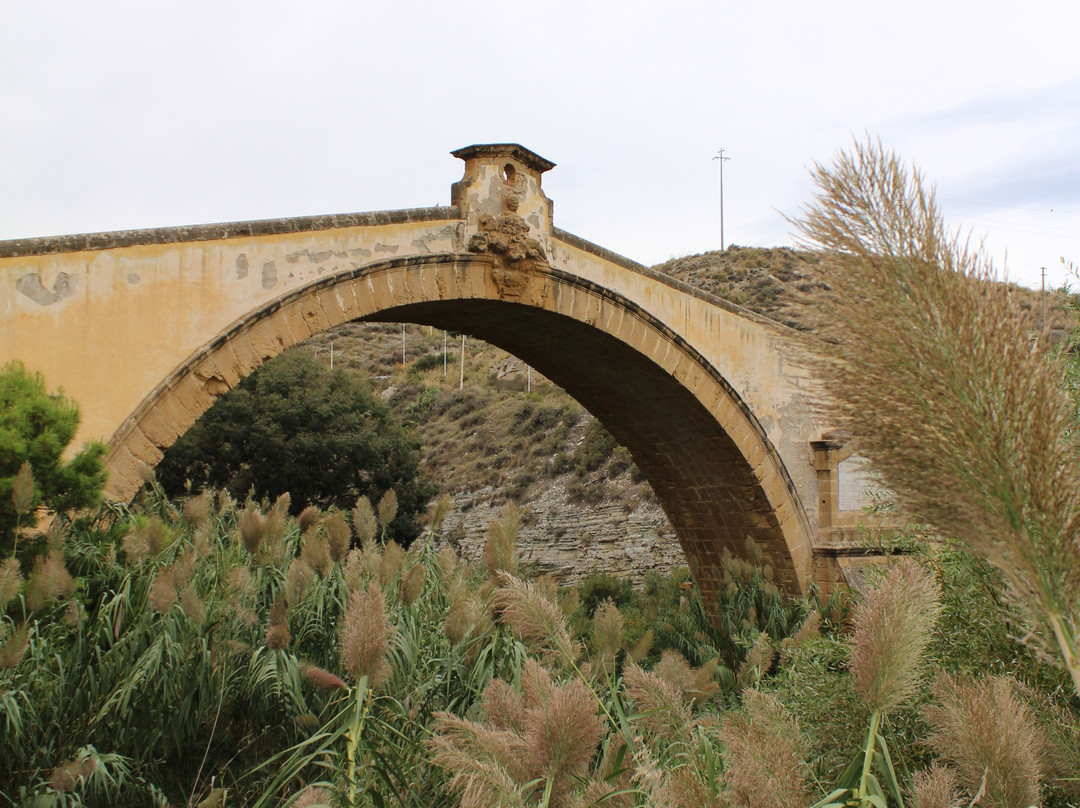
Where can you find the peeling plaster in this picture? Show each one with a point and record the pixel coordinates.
(269, 275)
(423, 244)
(324, 255)
(31, 286)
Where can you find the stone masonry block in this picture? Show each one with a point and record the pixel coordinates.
(158, 427)
(123, 470)
(270, 336)
(316, 318)
(142, 448)
(346, 293)
(191, 394)
(247, 358)
(296, 322)
(332, 305)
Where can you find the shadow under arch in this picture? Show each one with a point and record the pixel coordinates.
(706, 456)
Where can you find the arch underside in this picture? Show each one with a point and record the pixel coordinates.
(703, 452)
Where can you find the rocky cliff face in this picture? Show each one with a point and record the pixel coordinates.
(570, 541)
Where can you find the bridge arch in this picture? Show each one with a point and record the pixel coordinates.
(709, 460)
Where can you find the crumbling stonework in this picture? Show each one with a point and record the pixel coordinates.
(506, 236)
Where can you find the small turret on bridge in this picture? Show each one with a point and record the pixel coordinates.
(146, 328)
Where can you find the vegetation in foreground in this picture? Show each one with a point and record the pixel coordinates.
(228, 654)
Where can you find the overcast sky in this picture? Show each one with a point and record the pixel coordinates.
(120, 115)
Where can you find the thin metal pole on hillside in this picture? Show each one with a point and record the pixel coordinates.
(461, 382)
(720, 159)
(403, 343)
(444, 354)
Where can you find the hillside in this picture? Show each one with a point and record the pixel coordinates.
(507, 433)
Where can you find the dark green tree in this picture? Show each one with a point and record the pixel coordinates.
(295, 426)
(35, 429)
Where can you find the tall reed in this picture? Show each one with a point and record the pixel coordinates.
(936, 377)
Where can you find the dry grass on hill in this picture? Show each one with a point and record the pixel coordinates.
(790, 286)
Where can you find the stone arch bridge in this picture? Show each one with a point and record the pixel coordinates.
(146, 328)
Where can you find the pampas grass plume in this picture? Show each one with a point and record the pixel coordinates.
(316, 551)
(69, 775)
(14, 646)
(192, 604)
(983, 728)
(766, 755)
(10, 581)
(298, 578)
(662, 714)
(321, 678)
(388, 508)
(338, 535)
(448, 562)
(252, 526)
(49, 580)
(960, 411)
(308, 518)
(412, 585)
(393, 559)
(607, 633)
(197, 509)
(500, 546)
(313, 797)
(22, 490)
(934, 787)
(365, 636)
(277, 633)
(442, 507)
(364, 523)
(533, 616)
(893, 625)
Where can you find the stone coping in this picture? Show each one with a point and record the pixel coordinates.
(55, 245)
(52, 245)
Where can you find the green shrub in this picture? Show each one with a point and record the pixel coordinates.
(595, 449)
(425, 363)
(599, 586)
(35, 429)
(295, 426)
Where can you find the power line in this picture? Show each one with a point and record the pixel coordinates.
(1008, 207)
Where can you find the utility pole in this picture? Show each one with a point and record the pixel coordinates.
(403, 343)
(720, 159)
(461, 381)
(444, 354)
(331, 354)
